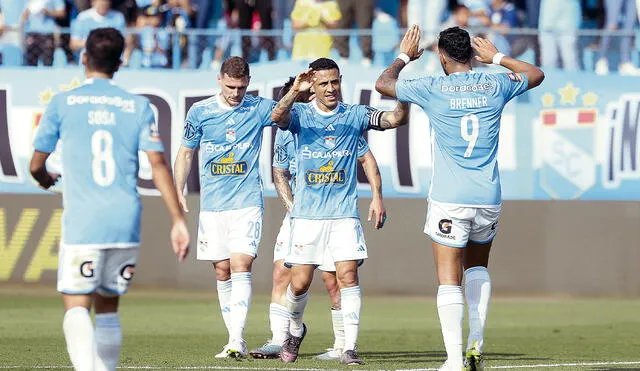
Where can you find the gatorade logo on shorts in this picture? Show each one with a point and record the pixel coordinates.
(86, 269)
(128, 271)
(445, 226)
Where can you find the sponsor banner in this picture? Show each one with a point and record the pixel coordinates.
(574, 137)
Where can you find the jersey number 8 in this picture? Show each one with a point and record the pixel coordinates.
(464, 131)
(103, 166)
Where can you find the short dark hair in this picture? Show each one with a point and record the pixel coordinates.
(303, 97)
(104, 48)
(321, 64)
(235, 67)
(456, 43)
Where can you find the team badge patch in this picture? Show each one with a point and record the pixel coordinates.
(330, 141)
(231, 135)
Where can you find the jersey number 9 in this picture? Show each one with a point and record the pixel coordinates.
(464, 131)
(103, 166)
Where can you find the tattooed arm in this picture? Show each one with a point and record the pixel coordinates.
(281, 179)
(281, 113)
(386, 83)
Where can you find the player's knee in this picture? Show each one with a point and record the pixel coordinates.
(348, 278)
(299, 286)
(223, 270)
(105, 304)
(281, 276)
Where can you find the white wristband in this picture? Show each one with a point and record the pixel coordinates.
(498, 58)
(403, 57)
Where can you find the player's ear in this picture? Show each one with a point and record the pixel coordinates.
(84, 59)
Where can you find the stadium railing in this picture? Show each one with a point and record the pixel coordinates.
(196, 48)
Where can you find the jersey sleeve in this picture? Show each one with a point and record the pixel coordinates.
(149, 136)
(48, 131)
(369, 118)
(265, 107)
(192, 132)
(363, 147)
(414, 91)
(76, 29)
(280, 154)
(512, 84)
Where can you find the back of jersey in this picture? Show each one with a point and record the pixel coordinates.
(101, 127)
(464, 110)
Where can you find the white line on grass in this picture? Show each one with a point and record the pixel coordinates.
(550, 365)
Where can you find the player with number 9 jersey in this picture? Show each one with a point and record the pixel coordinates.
(106, 126)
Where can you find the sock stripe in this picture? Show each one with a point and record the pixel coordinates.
(280, 312)
(350, 291)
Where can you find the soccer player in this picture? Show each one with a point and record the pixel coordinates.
(284, 174)
(101, 128)
(228, 129)
(464, 109)
(325, 217)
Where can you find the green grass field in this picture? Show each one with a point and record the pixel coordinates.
(169, 330)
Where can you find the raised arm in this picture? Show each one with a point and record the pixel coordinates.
(281, 179)
(396, 118)
(487, 51)
(377, 211)
(181, 169)
(162, 179)
(409, 50)
(281, 113)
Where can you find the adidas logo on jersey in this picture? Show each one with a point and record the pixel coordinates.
(330, 128)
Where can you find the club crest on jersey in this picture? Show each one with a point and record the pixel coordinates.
(565, 144)
(231, 135)
(325, 175)
(330, 141)
(228, 166)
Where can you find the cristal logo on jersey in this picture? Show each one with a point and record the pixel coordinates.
(228, 166)
(325, 175)
(330, 141)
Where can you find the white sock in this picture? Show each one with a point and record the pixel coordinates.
(224, 297)
(451, 312)
(338, 328)
(296, 305)
(279, 320)
(240, 301)
(477, 289)
(350, 301)
(78, 332)
(108, 336)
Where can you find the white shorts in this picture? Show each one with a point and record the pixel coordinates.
(282, 241)
(455, 225)
(105, 271)
(221, 233)
(315, 241)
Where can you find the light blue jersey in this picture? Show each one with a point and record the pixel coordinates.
(327, 149)
(464, 110)
(89, 20)
(101, 128)
(229, 140)
(37, 22)
(284, 152)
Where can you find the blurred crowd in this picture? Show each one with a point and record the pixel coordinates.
(197, 33)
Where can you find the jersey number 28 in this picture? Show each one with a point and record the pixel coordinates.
(472, 136)
(103, 166)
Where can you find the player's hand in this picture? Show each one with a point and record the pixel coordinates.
(183, 202)
(377, 213)
(410, 44)
(485, 49)
(53, 179)
(304, 81)
(180, 239)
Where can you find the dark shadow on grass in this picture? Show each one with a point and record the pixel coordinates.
(427, 356)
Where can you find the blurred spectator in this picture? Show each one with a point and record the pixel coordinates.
(428, 15)
(502, 16)
(559, 22)
(224, 41)
(154, 46)
(615, 10)
(208, 12)
(99, 15)
(246, 8)
(460, 16)
(38, 19)
(313, 18)
(129, 10)
(65, 37)
(177, 18)
(281, 11)
(479, 9)
(362, 12)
